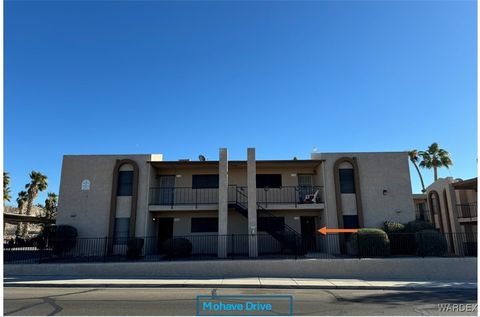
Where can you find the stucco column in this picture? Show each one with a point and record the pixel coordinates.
(252, 203)
(222, 203)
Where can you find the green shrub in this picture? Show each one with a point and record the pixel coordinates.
(430, 243)
(393, 226)
(371, 242)
(178, 247)
(134, 248)
(402, 243)
(418, 225)
(62, 239)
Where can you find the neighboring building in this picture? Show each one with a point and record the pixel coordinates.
(452, 205)
(120, 196)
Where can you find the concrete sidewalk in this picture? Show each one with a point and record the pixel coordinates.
(251, 282)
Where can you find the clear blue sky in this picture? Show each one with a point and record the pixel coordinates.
(185, 78)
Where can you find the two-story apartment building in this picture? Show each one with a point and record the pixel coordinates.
(121, 196)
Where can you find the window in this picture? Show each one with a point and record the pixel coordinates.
(271, 224)
(205, 181)
(347, 183)
(350, 222)
(204, 225)
(125, 183)
(122, 227)
(269, 180)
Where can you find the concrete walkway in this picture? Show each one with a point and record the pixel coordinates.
(252, 282)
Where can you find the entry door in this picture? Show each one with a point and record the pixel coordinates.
(167, 189)
(165, 231)
(309, 232)
(305, 184)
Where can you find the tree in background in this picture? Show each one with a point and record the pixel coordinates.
(21, 201)
(6, 187)
(51, 204)
(38, 183)
(414, 158)
(435, 157)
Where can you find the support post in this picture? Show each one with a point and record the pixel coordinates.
(252, 203)
(222, 203)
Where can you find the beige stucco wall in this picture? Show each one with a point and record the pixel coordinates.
(377, 171)
(88, 211)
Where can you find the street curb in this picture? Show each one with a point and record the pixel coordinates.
(173, 285)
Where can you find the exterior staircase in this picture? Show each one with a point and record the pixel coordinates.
(289, 238)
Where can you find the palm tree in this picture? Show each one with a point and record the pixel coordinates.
(21, 201)
(435, 157)
(51, 206)
(6, 187)
(38, 183)
(413, 155)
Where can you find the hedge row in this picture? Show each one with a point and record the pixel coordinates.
(377, 243)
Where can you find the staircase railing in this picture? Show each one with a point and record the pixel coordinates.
(241, 199)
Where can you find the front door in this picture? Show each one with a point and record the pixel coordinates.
(167, 188)
(165, 231)
(309, 232)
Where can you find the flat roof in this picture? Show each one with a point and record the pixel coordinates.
(213, 164)
(466, 184)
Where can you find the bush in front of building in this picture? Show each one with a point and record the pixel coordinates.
(430, 243)
(393, 226)
(371, 242)
(61, 238)
(418, 225)
(401, 241)
(178, 247)
(134, 248)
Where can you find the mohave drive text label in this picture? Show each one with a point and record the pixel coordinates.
(247, 306)
(256, 305)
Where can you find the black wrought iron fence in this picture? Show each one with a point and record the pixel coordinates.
(243, 246)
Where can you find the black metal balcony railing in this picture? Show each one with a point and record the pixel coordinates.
(171, 196)
(293, 195)
(467, 210)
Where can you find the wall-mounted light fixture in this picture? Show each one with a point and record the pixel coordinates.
(178, 176)
(385, 192)
(293, 174)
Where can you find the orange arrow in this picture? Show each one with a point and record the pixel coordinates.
(324, 230)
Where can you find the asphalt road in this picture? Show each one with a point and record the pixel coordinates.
(181, 301)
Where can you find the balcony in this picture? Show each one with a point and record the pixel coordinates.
(290, 196)
(286, 197)
(183, 198)
(468, 210)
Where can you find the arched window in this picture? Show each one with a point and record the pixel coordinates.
(435, 208)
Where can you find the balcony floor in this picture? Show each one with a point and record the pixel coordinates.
(270, 206)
